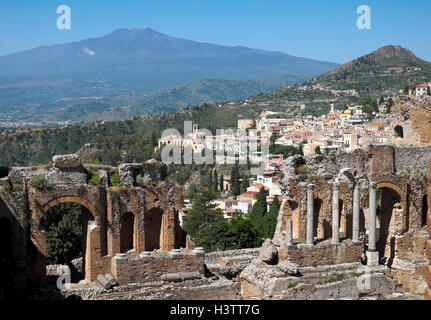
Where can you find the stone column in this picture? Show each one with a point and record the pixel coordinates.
(310, 214)
(372, 218)
(356, 210)
(289, 232)
(335, 213)
(372, 254)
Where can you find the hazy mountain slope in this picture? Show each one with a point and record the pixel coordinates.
(133, 62)
(143, 48)
(169, 100)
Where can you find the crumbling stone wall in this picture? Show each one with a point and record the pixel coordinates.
(410, 119)
(66, 181)
(387, 159)
(323, 253)
(150, 267)
(399, 173)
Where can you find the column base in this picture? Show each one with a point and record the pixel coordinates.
(372, 258)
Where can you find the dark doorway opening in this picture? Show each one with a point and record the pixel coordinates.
(399, 132)
(424, 210)
(6, 240)
(126, 232)
(153, 227)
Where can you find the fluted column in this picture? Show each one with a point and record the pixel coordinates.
(356, 210)
(335, 213)
(310, 214)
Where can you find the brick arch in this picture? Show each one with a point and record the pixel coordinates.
(93, 244)
(74, 199)
(394, 187)
(384, 184)
(390, 194)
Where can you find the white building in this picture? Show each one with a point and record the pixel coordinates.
(422, 90)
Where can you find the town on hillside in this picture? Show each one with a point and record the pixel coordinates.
(347, 130)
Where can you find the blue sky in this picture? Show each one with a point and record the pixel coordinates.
(318, 29)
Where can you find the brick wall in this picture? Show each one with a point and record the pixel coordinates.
(323, 253)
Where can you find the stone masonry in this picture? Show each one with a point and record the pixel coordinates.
(117, 218)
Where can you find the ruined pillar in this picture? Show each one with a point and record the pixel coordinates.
(289, 232)
(310, 214)
(372, 218)
(335, 213)
(356, 210)
(372, 254)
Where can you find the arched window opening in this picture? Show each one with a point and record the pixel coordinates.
(389, 205)
(399, 132)
(318, 223)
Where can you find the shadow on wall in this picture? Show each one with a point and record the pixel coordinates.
(11, 232)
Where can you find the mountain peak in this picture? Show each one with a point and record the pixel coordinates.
(379, 60)
(133, 31)
(390, 51)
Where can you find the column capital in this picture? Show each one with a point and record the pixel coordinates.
(373, 185)
(310, 187)
(336, 185)
(357, 184)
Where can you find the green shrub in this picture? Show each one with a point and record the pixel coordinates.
(40, 182)
(7, 187)
(16, 187)
(95, 180)
(115, 178)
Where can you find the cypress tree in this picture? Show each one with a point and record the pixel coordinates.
(259, 209)
(215, 181)
(234, 180)
(245, 184)
(270, 219)
(210, 179)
